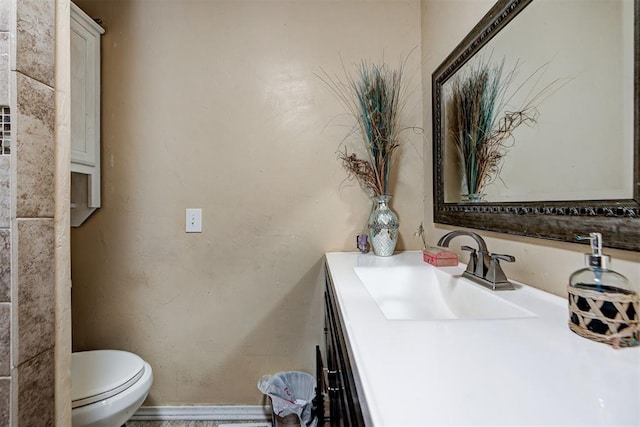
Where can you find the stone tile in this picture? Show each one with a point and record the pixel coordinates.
(5, 339)
(34, 123)
(34, 391)
(5, 401)
(4, 66)
(5, 265)
(34, 318)
(35, 39)
(5, 191)
(5, 11)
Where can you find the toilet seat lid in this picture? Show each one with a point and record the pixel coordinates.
(99, 374)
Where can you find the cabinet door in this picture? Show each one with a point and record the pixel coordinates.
(321, 389)
(85, 89)
(336, 412)
(344, 405)
(85, 112)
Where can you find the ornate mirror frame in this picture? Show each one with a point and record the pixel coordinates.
(617, 220)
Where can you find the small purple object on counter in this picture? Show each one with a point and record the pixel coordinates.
(361, 243)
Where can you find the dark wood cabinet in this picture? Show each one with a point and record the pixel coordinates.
(335, 379)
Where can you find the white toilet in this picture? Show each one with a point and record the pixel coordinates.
(107, 387)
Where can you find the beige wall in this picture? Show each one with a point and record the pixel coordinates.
(215, 105)
(541, 263)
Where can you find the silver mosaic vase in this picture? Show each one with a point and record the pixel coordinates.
(474, 198)
(383, 227)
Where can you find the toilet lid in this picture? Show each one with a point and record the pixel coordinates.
(100, 374)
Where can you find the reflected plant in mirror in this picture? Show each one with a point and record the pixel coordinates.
(578, 167)
(486, 112)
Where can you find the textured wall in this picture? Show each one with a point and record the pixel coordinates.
(62, 214)
(214, 104)
(27, 285)
(541, 263)
(5, 231)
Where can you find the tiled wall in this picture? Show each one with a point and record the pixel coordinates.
(27, 284)
(5, 232)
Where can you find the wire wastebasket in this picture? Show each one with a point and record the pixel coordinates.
(292, 394)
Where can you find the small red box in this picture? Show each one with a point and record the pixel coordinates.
(439, 257)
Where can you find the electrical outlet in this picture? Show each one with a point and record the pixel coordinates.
(194, 221)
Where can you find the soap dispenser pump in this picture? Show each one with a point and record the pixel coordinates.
(603, 305)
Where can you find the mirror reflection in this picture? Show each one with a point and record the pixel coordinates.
(581, 145)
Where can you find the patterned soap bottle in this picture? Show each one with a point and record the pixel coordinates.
(603, 305)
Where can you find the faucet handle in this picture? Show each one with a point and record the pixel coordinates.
(473, 258)
(468, 248)
(508, 258)
(495, 275)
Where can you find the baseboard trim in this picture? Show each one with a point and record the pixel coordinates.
(203, 413)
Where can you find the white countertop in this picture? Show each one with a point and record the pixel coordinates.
(527, 371)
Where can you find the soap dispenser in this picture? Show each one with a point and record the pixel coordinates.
(603, 305)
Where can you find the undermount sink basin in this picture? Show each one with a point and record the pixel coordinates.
(425, 293)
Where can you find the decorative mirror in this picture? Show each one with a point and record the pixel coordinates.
(573, 164)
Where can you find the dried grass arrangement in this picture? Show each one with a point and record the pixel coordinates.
(482, 126)
(374, 97)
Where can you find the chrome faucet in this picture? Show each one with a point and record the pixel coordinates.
(483, 267)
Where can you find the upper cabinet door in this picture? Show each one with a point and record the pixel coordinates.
(85, 90)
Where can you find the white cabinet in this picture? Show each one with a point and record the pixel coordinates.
(85, 115)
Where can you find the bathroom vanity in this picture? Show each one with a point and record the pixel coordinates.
(412, 344)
